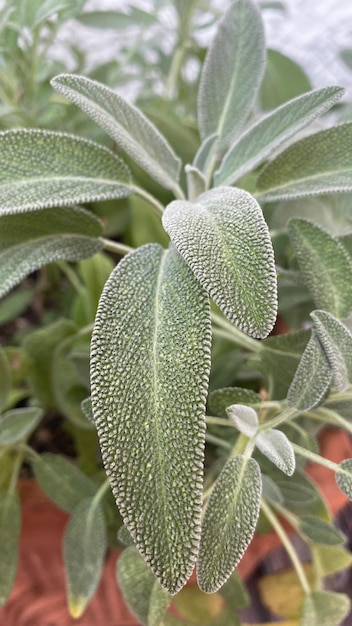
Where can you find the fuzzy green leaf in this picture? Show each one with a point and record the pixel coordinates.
(244, 417)
(271, 491)
(84, 551)
(18, 424)
(344, 477)
(277, 448)
(312, 378)
(231, 73)
(27, 242)
(10, 518)
(220, 399)
(41, 168)
(320, 531)
(229, 523)
(136, 581)
(320, 163)
(150, 361)
(324, 608)
(336, 340)
(127, 126)
(259, 142)
(196, 183)
(225, 240)
(5, 379)
(325, 265)
(159, 601)
(330, 559)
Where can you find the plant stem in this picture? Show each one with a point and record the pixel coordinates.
(285, 416)
(142, 193)
(281, 533)
(314, 458)
(71, 275)
(101, 491)
(331, 417)
(220, 421)
(116, 246)
(217, 441)
(234, 334)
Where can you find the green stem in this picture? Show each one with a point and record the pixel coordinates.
(234, 334)
(314, 458)
(101, 492)
(219, 421)
(116, 246)
(71, 275)
(142, 193)
(331, 417)
(281, 533)
(242, 446)
(217, 441)
(285, 416)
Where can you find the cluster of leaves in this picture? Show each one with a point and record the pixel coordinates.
(158, 390)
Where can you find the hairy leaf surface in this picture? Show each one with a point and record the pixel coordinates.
(344, 477)
(258, 143)
(150, 360)
(10, 519)
(312, 378)
(320, 163)
(127, 126)
(225, 240)
(220, 399)
(41, 168)
(277, 448)
(229, 523)
(324, 608)
(336, 340)
(244, 417)
(320, 531)
(18, 424)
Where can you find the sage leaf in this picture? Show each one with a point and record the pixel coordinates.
(229, 522)
(330, 559)
(10, 519)
(136, 581)
(43, 169)
(324, 608)
(320, 531)
(231, 73)
(336, 340)
(318, 164)
(150, 361)
(271, 491)
(270, 132)
(127, 126)
(67, 233)
(84, 551)
(5, 379)
(196, 183)
(205, 153)
(301, 495)
(244, 417)
(220, 399)
(225, 240)
(277, 448)
(159, 601)
(86, 406)
(312, 378)
(325, 265)
(18, 424)
(344, 477)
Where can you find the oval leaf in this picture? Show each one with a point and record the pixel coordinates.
(226, 242)
(229, 523)
(220, 399)
(344, 477)
(84, 551)
(276, 447)
(244, 417)
(318, 164)
(41, 168)
(127, 126)
(336, 340)
(320, 531)
(10, 520)
(231, 73)
(324, 608)
(312, 378)
(18, 424)
(150, 361)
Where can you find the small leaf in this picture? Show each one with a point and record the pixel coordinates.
(159, 601)
(320, 531)
(244, 417)
(220, 399)
(41, 168)
(196, 183)
(318, 164)
(229, 523)
(344, 477)
(270, 132)
(124, 536)
(127, 126)
(329, 560)
(205, 152)
(324, 608)
(231, 73)
(5, 379)
(136, 582)
(225, 240)
(18, 424)
(336, 340)
(62, 481)
(84, 551)
(301, 495)
(86, 406)
(10, 519)
(312, 378)
(271, 492)
(277, 448)
(152, 333)
(325, 265)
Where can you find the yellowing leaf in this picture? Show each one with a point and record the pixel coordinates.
(282, 593)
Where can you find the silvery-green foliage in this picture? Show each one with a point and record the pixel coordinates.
(196, 183)
(220, 399)
(5, 379)
(150, 361)
(225, 240)
(16, 425)
(86, 406)
(10, 518)
(344, 477)
(325, 265)
(44, 236)
(324, 608)
(270, 490)
(319, 531)
(312, 378)
(277, 448)
(229, 522)
(205, 153)
(244, 417)
(159, 601)
(270, 132)
(231, 73)
(320, 163)
(127, 126)
(84, 545)
(336, 340)
(41, 168)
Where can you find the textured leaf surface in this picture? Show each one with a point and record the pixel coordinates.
(258, 143)
(231, 73)
(276, 447)
(344, 477)
(17, 424)
(220, 399)
(312, 378)
(244, 417)
(318, 164)
(325, 265)
(150, 361)
(136, 581)
(5, 379)
(27, 242)
(127, 126)
(336, 340)
(84, 551)
(320, 531)
(41, 168)
(229, 523)
(324, 608)
(225, 240)
(9, 536)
